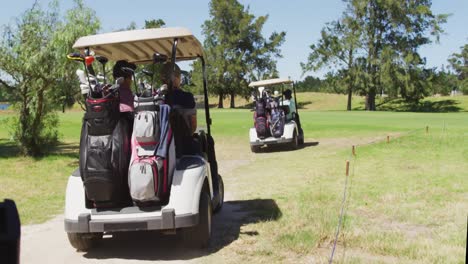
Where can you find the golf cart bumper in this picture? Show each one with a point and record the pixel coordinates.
(287, 136)
(181, 210)
(166, 221)
(270, 141)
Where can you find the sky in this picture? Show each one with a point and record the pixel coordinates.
(302, 20)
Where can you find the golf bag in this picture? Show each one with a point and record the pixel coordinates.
(277, 122)
(153, 153)
(261, 118)
(104, 153)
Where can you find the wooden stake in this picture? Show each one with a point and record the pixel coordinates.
(354, 150)
(427, 129)
(347, 168)
(388, 139)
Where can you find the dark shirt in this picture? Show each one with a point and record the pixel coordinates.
(126, 99)
(183, 99)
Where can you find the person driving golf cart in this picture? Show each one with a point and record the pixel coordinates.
(289, 101)
(184, 121)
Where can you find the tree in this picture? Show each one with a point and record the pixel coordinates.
(34, 63)
(393, 31)
(236, 51)
(375, 45)
(338, 47)
(154, 23)
(459, 63)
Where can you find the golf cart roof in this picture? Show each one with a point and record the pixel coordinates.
(138, 46)
(270, 82)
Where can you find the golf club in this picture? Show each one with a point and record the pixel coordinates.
(131, 71)
(80, 58)
(103, 60)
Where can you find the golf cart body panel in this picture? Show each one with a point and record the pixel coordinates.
(181, 211)
(138, 46)
(287, 136)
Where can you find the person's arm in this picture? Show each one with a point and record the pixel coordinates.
(193, 123)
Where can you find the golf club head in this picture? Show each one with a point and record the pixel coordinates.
(148, 73)
(159, 58)
(119, 81)
(89, 60)
(128, 70)
(101, 59)
(75, 56)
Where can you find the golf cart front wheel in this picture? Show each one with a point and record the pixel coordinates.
(199, 236)
(84, 241)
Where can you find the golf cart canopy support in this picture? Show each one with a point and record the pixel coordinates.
(270, 82)
(138, 46)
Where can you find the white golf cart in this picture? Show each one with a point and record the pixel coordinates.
(292, 134)
(196, 188)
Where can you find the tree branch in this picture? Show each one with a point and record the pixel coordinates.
(9, 87)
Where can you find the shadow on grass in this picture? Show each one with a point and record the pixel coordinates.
(400, 105)
(152, 245)
(10, 150)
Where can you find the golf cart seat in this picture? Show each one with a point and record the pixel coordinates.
(285, 109)
(181, 127)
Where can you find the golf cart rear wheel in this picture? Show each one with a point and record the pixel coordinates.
(199, 236)
(254, 149)
(301, 137)
(221, 195)
(295, 141)
(84, 241)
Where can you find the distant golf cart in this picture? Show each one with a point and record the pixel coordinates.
(275, 122)
(195, 190)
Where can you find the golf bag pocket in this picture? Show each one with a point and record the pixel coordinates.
(146, 127)
(99, 186)
(102, 115)
(277, 123)
(261, 126)
(260, 107)
(145, 179)
(99, 153)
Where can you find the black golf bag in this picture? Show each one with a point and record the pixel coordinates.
(261, 118)
(105, 153)
(277, 119)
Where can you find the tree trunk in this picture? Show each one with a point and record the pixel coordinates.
(350, 94)
(220, 101)
(233, 96)
(23, 120)
(371, 100)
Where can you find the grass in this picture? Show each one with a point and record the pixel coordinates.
(407, 200)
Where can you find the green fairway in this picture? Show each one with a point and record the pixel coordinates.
(407, 200)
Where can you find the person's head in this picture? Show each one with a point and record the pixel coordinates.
(166, 71)
(118, 71)
(287, 94)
